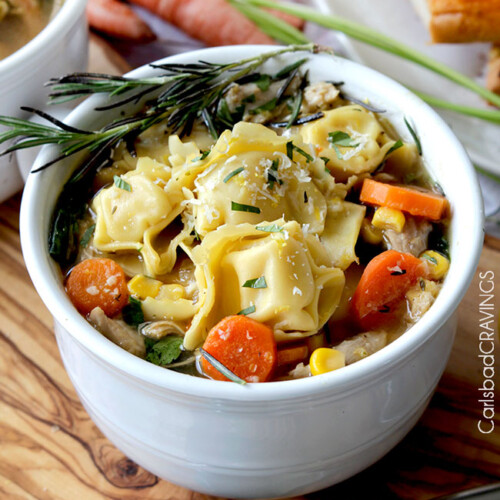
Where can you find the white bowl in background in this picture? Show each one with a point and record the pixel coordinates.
(281, 438)
(60, 48)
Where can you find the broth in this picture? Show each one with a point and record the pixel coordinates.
(21, 21)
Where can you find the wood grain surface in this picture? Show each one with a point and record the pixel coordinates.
(50, 449)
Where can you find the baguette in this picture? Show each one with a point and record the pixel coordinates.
(463, 21)
(493, 76)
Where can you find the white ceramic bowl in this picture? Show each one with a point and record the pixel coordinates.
(60, 48)
(274, 439)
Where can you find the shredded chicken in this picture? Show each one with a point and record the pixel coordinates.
(362, 345)
(318, 96)
(118, 332)
(420, 298)
(300, 371)
(413, 239)
(158, 329)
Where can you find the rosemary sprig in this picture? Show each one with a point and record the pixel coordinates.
(179, 97)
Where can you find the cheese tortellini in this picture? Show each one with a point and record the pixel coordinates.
(299, 288)
(368, 142)
(259, 218)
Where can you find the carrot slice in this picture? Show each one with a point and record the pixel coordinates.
(289, 355)
(97, 283)
(409, 199)
(244, 346)
(383, 284)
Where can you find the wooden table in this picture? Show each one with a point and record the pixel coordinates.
(50, 449)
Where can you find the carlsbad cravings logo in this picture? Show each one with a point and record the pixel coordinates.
(486, 424)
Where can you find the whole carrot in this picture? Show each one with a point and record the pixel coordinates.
(118, 20)
(214, 22)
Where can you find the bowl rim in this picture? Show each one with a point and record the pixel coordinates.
(41, 270)
(63, 20)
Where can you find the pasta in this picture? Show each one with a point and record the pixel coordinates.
(262, 243)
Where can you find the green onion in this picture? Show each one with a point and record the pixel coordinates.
(232, 174)
(121, 184)
(241, 207)
(415, 137)
(256, 283)
(326, 160)
(272, 228)
(221, 368)
(376, 39)
(247, 311)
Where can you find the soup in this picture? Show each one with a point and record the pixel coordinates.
(291, 234)
(21, 21)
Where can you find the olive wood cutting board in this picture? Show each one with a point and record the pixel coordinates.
(50, 449)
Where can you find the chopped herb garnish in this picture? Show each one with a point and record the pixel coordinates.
(398, 273)
(221, 368)
(232, 174)
(430, 258)
(267, 106)
(165, 351)
(241, 207)
(396, 145)
(422, 284)
(365, 105)
(384, 309)
(196, 235)
(121, 184)
(325, 159)
(415, 137)
(340, 138)
(263, 82)
(87, 235)
(271, 176)
(132, 313)
(256, 283)
(203, 155)
(248, 99)
(272, 228)
(290, 147)
(247, 311)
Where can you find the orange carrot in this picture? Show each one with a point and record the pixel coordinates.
(214, 22)
(383, 284)
(244, 346)
(97, 283)
(289, 355)
(409, 199)
(118, 20)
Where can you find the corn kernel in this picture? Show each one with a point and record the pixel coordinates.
(370, 233)
(437, 264)
(142, 286)
(172, 292)
(325, 360)
(389, 218)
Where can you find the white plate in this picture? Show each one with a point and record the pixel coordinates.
(397, 19)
